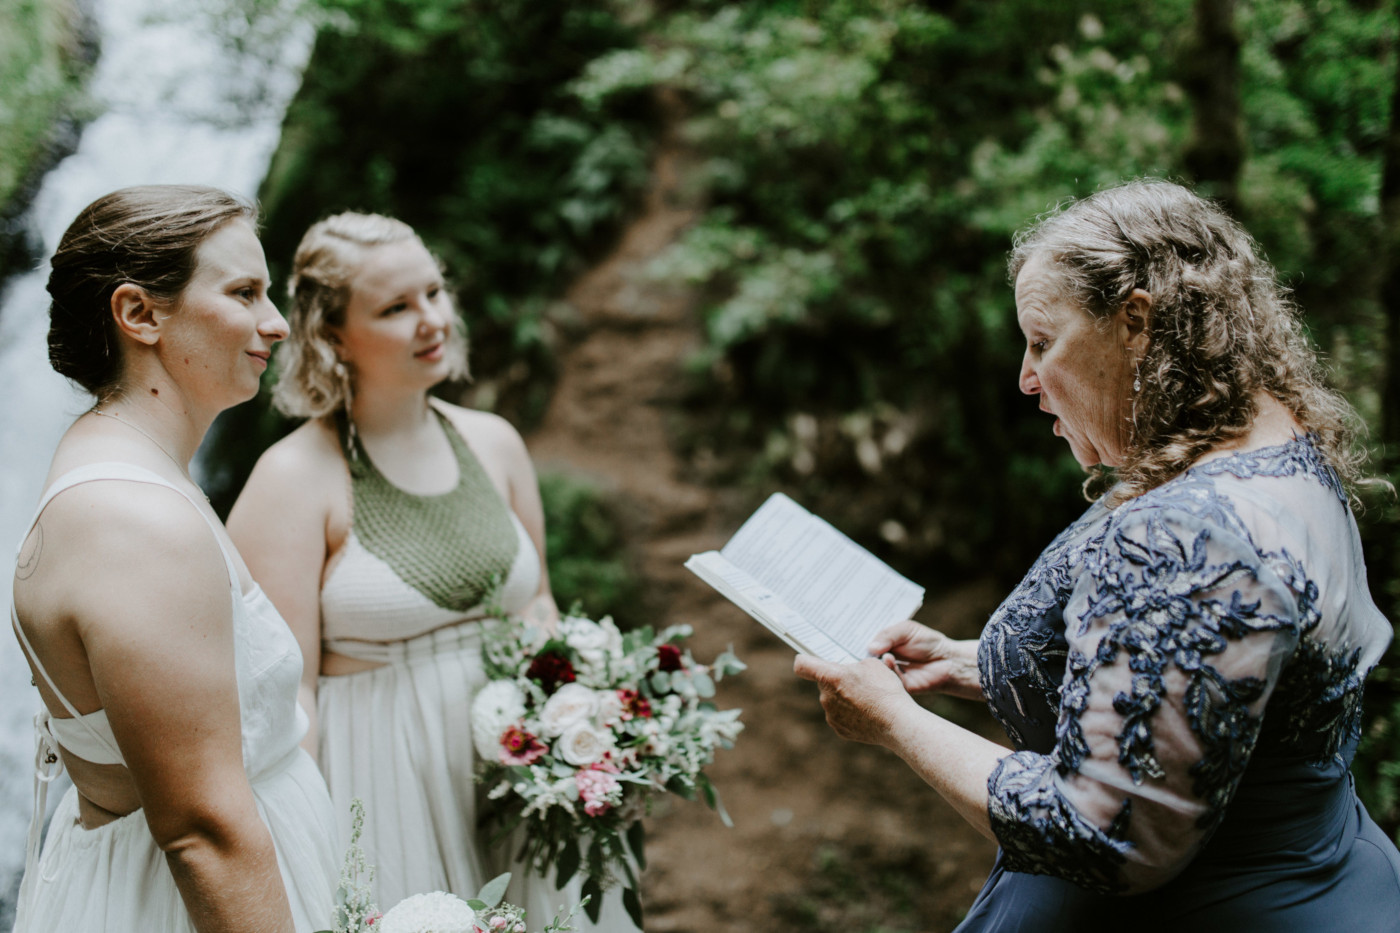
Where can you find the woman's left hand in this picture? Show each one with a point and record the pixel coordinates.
(862, 701)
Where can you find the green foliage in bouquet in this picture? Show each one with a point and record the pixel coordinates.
(578, 733)
(487, 912)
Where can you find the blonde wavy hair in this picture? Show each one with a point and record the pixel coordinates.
(1222, 328)
(313, 380)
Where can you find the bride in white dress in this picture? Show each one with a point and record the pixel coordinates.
(169, 679)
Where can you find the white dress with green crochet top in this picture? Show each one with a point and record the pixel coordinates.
(406, 590)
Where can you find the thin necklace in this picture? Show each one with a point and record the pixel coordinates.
(142, 431)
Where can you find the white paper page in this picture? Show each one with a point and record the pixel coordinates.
(764, 605)
(834, 583)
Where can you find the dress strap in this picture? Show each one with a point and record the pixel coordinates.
(47, 766)
(129, 472)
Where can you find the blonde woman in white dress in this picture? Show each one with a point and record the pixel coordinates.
(379, 527)
(169, 680)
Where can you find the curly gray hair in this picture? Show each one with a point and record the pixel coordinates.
(1222, 328)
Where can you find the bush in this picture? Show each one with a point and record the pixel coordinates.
(588, 559)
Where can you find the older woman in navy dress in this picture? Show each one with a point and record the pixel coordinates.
(1181, 671)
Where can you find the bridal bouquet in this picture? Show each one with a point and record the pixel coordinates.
(579, 734)
(433, 912)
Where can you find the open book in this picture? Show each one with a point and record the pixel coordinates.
(815, 588)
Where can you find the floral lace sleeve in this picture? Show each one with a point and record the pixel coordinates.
(1176, 631)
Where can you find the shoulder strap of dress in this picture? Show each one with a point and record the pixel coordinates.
(128, 472)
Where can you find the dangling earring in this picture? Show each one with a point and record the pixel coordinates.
(342, 375)
(1137, 382)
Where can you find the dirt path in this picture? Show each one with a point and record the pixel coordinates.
(828, 835)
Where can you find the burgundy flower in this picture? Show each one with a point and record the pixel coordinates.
(519, 747)
(551, 669)
(634, 705)
(668, 657)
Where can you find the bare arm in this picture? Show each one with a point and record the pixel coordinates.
(279, 527)
(151, 601)
(866, 702)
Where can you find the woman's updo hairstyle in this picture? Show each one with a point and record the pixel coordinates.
(1221, 328)
(313, 380)
(147, 236)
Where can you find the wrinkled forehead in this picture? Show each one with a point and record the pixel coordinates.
(1040, 287)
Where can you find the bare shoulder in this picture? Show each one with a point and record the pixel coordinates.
(487, 432)
(107, 509)
(305, 467)
(112, 535)
(308, 453)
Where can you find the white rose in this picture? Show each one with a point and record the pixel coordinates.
(571, 703)
(592, 641)
(582, 744)
(497, 706)
(436, 912)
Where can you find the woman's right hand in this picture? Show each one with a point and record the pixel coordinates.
(927, 661)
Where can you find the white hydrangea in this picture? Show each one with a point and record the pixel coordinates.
(435, 912)
(594, 641)
(496, 706)
(609, 708)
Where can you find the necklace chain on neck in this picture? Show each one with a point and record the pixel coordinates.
(184, 471)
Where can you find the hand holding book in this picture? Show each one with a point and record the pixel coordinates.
(811, 585)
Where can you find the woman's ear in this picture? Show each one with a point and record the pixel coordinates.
(134, 310)
(1135, 321)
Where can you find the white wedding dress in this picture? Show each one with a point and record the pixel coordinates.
(114, 877)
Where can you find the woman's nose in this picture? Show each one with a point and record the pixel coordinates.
(274, 325)
(1029, 382)
(435, 315)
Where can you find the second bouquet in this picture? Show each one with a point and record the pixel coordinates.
(579, 734)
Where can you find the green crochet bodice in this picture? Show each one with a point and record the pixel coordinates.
(454, 548)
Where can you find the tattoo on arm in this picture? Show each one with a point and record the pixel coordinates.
(29, 554)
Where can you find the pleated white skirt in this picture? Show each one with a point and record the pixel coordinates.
(114, 879)
(399, 738)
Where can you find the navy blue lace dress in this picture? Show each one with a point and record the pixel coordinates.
(1181, 678)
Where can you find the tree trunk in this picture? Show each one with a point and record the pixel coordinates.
(1211, 76)
(1390, 282)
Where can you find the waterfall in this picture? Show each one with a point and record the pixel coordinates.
(189, 92)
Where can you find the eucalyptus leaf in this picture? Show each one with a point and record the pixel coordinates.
(594, 905)
(637, 842)
(569, 858)
(494, 890)
(633, 903)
